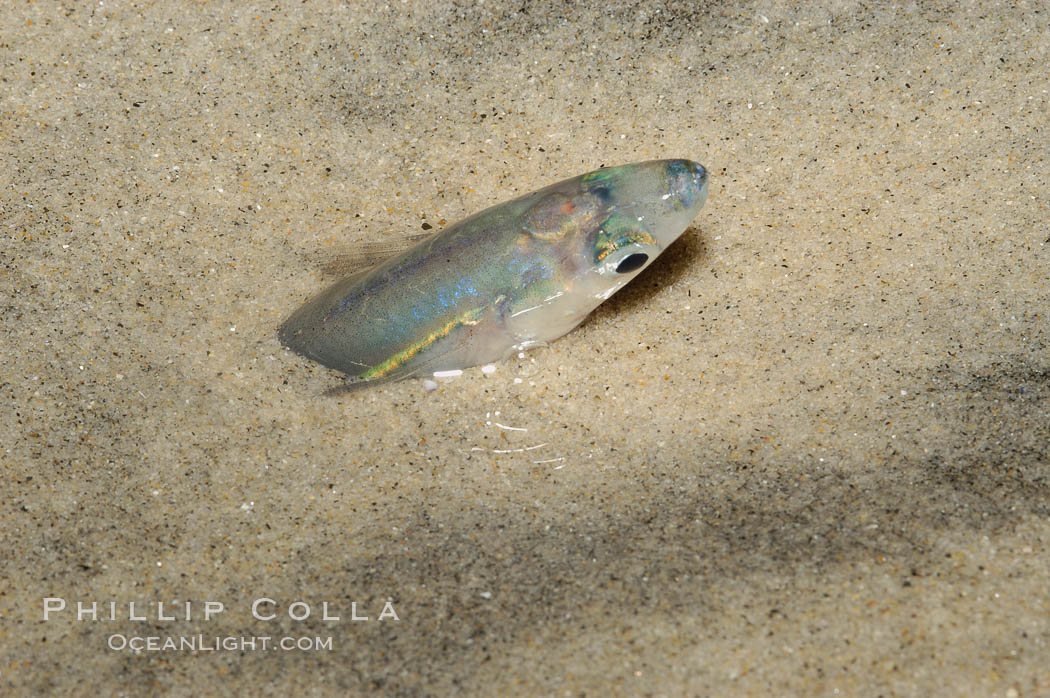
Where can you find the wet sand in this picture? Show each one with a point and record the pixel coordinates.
(804, 454)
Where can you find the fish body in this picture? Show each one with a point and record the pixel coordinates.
(515, 275)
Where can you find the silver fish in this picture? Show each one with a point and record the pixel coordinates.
(513, 276)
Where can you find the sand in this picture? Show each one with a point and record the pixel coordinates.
(804, 454)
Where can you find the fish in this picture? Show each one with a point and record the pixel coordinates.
(514, 276)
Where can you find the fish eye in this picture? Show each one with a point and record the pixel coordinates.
(632, 262)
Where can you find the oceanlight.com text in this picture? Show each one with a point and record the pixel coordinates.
(216, 643)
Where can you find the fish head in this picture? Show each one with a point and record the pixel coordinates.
(602, 229)
(649, 205)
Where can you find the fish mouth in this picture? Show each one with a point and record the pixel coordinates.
(700, 181)
(686, 184)
(699, 186)
(699, 177)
